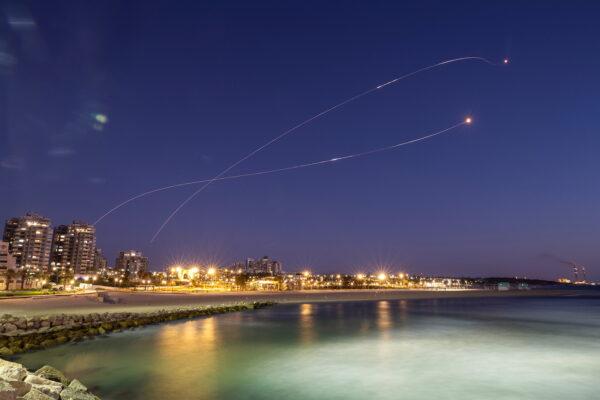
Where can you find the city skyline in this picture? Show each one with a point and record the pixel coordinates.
(133, 111)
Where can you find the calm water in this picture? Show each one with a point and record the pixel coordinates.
(537, 348)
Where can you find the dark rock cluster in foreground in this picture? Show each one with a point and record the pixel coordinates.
(47, 383)
(20, 334)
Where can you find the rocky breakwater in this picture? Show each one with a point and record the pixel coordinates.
(20, 334)
(47, 383)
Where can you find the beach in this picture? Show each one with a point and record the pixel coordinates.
(126, 301)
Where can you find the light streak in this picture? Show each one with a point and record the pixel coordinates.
(467, 121)
(314, 117)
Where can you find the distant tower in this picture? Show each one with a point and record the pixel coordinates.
(100, 262)
(29, 241)
(132, 262)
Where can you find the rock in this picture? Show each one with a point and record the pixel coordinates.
(52, 374)
(5, 351)
(20, 387)
(35, 394)
(11, 371)
(72, 394)
(46, 386)
(51, 391)
(38, 380)
(8, 327)
(48, 343)
(7, 392)
(77, 386)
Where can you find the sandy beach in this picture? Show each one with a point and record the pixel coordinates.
(150, 301)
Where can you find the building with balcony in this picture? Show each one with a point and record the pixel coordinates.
(29, 241)
(74, 248)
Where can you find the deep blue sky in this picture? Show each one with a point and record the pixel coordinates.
(191, 86)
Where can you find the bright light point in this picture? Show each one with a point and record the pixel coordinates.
(505, 61)
(468, 120)
(211, 271)
(381, 276)
(306, 273)
(334, 159)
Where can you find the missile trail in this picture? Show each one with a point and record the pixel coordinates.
(322, 113)
(283, 169)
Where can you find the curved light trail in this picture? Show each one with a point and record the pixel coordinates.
(314, 117)
(467, 121)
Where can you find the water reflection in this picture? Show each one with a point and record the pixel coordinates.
(175, 346)
(307, 323)
(384, 318)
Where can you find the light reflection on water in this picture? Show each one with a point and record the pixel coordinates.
(411, 349)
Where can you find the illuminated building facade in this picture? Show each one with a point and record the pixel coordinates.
(132, 263)
(100, 262)
(7, 261)
(263, 266)
(29, 241)
(74, 248)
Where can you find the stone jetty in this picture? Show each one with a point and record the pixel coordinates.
(21, 334)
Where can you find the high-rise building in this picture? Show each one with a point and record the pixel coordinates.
(100, 262)
(263, 266)
(132, 263)
(29, 241)
(7, 264)
(74, 248)
(7, 261)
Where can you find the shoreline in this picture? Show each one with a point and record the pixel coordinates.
(120, 301)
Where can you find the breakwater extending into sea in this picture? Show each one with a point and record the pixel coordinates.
(21, 334)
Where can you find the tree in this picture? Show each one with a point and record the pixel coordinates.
(241, 280)
(9, 275)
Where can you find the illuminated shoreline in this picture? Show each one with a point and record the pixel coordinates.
(128, 301)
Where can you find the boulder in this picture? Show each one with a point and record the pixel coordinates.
(72, 394)
(20, 387)
(5, 351)
(35, 394)
(77, 386)
(7, 392)
(46, 386)
(9, 327)
(52, 374)
(11, 371)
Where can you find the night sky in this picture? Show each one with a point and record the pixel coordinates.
(189, 87)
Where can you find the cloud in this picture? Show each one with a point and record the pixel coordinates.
(61, 152)
(12, 162)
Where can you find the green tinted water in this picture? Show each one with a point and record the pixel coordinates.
(422, 349)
